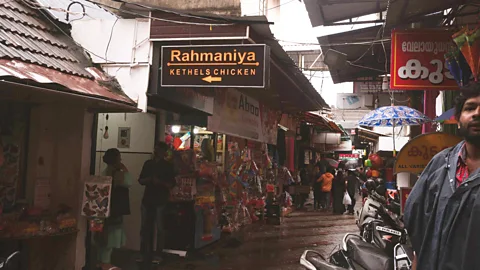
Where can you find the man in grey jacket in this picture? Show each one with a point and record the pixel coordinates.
(442, 213)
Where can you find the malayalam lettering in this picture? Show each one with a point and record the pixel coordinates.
(414, 70)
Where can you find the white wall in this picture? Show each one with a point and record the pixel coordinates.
(386, 143)
(123, 49)
(141, 147)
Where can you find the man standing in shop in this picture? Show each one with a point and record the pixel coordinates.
(158, 177)
(442, 213)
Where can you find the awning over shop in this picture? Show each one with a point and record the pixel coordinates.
(368, 135)
(327, 12)
(400, 12)
(69, 83)
(321, 122)
(295, 92)
(359, 54)
(290, 91)
(357, 46)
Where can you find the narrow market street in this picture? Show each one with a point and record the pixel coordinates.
(262, 246)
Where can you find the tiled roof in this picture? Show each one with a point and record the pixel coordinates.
(27, 35)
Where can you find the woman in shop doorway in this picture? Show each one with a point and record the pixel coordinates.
(113, 235)
(338, 191)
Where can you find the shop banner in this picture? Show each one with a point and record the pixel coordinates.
(269, 119)
(236, 114)
(239, 115)
(418, 61)
(417, 153)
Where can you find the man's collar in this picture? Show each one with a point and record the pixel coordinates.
(462, 154)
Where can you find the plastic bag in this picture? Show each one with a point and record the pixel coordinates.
(346, 199)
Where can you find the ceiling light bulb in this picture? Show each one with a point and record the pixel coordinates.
(175, 129)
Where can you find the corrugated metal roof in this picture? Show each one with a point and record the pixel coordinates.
(27, 35)
(77, 84)
(32, 48)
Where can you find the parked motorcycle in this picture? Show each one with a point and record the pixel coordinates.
(356, 254)
(381, 245)
(378, 220)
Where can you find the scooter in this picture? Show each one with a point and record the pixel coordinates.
(383, 247)
(378, 222)
(356, 254)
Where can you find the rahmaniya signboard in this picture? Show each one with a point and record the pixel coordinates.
(240, 66)
(417, 153)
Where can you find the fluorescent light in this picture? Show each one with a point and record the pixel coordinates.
(176, 129)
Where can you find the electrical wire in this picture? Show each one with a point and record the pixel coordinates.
(46, 16)
(110, 38)
(160, 19)
(274, 7)
(37, 6)
(365, 67)
(370, 43)
(138, 14)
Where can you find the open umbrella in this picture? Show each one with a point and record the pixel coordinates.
(351, 164)
(447, 117)
(331, 162)
(394, 116)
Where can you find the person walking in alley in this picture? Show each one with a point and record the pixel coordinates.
(326, 181)
(352, 184)
(317, 189)
(158, 177)
(442, 212)
(338, 191)
(113, 234)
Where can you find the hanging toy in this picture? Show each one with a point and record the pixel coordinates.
(467, 43)
(368, 163)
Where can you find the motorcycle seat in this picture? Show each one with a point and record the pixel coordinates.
(368, 256)
(320, 263)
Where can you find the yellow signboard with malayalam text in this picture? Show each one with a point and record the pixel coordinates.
(418, 152)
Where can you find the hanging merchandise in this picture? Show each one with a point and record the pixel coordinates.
(458, 66)
(184, 162)
(177, 142)
(368, 163)
(185, 188)
(376, 160)
(368, 173)
(306, 159)
(97, 196)
(468, 43)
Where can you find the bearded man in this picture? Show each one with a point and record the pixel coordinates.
(442, 213)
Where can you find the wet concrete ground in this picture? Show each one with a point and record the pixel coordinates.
(262, 246)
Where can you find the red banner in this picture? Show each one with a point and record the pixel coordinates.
(418, 61)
